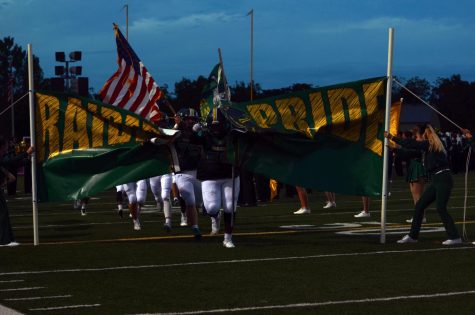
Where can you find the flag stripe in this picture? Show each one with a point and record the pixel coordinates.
(131, 87)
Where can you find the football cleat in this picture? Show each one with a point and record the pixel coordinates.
(215, 223)
(228, 244)
(137, 226)
(183, 221)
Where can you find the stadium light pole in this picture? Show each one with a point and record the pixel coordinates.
(66, 71)
(384, 199)
(251, 13)
(10, 92)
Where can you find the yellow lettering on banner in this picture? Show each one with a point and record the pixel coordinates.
(75, 130)
(97, 129)
(263, 114)
(147, 129)
(318, 111)
(351, 129)
(375, 116)
(294, 114)
(47, 119)
(115, 131)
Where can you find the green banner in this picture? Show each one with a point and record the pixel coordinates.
(327, 138)
(84, 146)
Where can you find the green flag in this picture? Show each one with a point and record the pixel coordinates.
(85, 146)
(327, 138)
(215, 91)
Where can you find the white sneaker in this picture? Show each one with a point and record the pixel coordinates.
(329, 205)
(137, 226)
(452, 242)
(11, 244)
(473, 243)
(362, 214)
(424, 220)
(302, 211)
(228, 244)
(83, 212)
(183, 221)
(406, 239)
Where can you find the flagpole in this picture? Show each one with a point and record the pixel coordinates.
(126, 21)
(34, 197)
(384, 198)
(251, 13)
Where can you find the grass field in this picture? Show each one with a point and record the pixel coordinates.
(326, 262)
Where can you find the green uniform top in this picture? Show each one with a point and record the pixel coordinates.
(433, 161)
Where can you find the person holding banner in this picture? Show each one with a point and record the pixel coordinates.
(217, 175)
(438, 190)
(6, 233)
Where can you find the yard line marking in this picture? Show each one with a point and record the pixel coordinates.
(21, 289)
(11, 281)
(8, 311)
(185, 236)
(39, 298)
(54, 308)
(235, 261)
(301, 305)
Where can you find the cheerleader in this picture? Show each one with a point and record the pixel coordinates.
(439, 189)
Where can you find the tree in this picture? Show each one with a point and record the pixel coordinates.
(188, 92)
(241, 92)
(419, 86)
(14, 64)
(455, 98)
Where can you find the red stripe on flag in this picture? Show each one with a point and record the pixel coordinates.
(131, 87)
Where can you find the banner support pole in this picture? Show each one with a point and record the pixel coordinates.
(34, 196)
(389, 82)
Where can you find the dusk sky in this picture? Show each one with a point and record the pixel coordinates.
(320, 42)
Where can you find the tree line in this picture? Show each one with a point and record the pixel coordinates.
(452, 96)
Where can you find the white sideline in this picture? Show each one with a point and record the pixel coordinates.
(53, 308)
(21, 289)
(33, 298)
(236, 261)
(11, 281)
(258, 308)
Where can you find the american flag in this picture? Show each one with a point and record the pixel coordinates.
(131, 87)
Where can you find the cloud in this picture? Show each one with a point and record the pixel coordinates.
(427, 25)
(152, 24)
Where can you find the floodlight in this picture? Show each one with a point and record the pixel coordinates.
(59, 70)
(75, 55)
(76, 70)
(60, 56)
